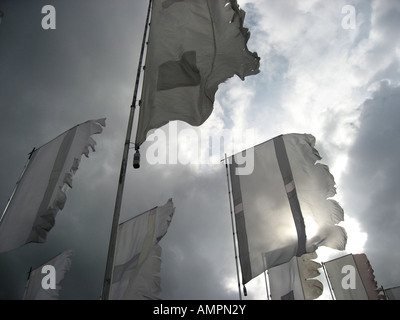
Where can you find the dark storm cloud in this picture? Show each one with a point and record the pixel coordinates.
(371, 183)
(201, 244)
(51, 80)
(198, 254)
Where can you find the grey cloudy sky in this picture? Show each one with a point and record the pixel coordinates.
(340, 84)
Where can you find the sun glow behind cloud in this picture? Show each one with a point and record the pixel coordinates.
(319, 73)
(325, 72)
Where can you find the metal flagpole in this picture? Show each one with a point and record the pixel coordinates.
(233, 227)
(16, 185)
(121, 181)
(327, 280)
(265, 275)
(27, 282)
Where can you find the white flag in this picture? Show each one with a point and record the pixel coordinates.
(44, 281)
(352, 278)
(138, 255)
(41, 192)
(293, 280)
(193, 47)
(281, 206)
(393, 293)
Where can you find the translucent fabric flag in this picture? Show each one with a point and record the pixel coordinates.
(41, 191)
(193, 47)
(138, 255)
(40, 286)
(352, 278)
(281, 203)
(293, 280)
(393, 293)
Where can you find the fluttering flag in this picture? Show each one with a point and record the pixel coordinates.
(138, 255)
(193, 47)
(281, 203)
(293, 280)
(44, 282)
(393, 293)
(41, 191)
(352, 278)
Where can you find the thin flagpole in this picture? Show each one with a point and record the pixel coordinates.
(27, 283)
(121, 181)
(327, 280)
(265, 275)
(16, 185)
(233, 227)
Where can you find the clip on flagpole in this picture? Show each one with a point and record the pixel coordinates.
(136, 159)
(121, 181)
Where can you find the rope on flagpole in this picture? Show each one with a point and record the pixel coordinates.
(121, 181)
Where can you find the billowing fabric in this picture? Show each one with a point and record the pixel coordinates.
(308, 269)
(41, 192)
(35, 290)
(193, 47)
(393, 293)
(283, 198)
(138, 255)
(366, 272)
(352, 278)
(293, 280)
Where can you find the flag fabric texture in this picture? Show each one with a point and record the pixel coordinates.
(393, 293)
(41, 191)
(193, 47)
(138, 255)
(352, 278)
(293, 280)
(35, 290)
(281, 207)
